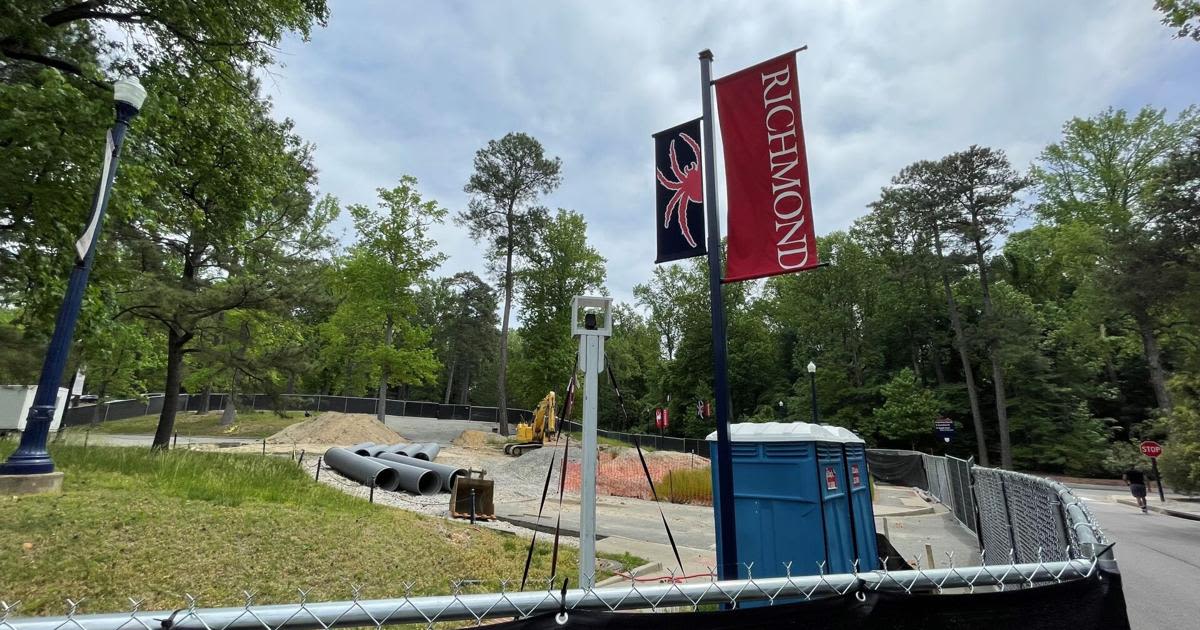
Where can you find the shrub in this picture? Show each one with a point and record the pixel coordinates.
(686, 485)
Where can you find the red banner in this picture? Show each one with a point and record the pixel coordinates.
(766, 172)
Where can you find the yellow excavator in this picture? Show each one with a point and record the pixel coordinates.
(531, 435)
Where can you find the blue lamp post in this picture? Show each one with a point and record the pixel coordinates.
(812, 382)
(31, 457)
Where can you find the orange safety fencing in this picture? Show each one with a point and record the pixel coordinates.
(678, 477)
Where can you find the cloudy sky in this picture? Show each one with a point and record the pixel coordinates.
(392, 88)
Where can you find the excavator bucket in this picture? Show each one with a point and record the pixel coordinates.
(473, 496)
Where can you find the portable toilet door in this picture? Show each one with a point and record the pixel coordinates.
(835, 507)
(862, 512)
(777, 498)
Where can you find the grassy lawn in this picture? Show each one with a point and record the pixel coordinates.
(132, 523)
(251, 424)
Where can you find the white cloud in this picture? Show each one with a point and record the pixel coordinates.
(406, 88)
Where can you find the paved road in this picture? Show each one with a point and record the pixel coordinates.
(1159, 558)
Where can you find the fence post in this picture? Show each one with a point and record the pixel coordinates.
(175, 440)
(372, 497)
(264, 443)
(318, 476)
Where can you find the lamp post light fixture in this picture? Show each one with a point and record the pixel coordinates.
(31, 458)
(812, 383)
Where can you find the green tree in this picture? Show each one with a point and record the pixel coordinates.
(559, 266)
(1094, 187)
(137, 35)
(1180, 461)
(908, 410)
(463, 309)
(981, 186)
(510, 175)
(379, 280)
(227, 218)
(1183, 15)
(915, 211)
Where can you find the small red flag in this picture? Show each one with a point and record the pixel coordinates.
(766, 172)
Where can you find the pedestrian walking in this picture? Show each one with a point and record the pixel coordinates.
(1136, 481)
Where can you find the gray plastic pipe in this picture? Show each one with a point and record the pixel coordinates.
(363, 448)
(362, 469)
(446, 474)
(430, 450)
(411, 450)
(413, 479)
(382, 448)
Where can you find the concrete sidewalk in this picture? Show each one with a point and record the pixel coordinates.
(1175, 505)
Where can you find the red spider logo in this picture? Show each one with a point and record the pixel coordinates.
(688, 187)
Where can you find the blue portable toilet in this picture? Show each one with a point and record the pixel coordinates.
(862, 514)
(792, 502)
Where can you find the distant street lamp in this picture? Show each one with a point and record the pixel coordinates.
(782, 411)
(812, 383)
(31, 457)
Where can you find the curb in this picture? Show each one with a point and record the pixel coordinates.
(921, 511)
(637, 572)
(1191, 516)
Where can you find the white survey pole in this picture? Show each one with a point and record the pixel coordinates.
(592, 323)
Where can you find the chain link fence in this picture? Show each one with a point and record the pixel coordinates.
(464, 602)
(1016, 517)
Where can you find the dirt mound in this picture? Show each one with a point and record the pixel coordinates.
(342, 429)
(476, 439)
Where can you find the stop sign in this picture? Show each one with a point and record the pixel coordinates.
(1150, 448)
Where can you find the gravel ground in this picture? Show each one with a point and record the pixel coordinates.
(437, 505)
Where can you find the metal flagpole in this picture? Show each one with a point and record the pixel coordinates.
(727, 563)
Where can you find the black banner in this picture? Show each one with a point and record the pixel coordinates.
(904, 468)
(679, 192)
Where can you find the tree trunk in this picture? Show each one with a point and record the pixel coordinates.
(204, 406)
(1110, 370)
(465, 387)
(449, 381)
(166, 419)
(915, 355)
(291, 383)
(229, 414)
(381, 401)
(99, 402)
(1158, 375)
(502, 376)
(1006, 460)
(935, 358)
(960, 340)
